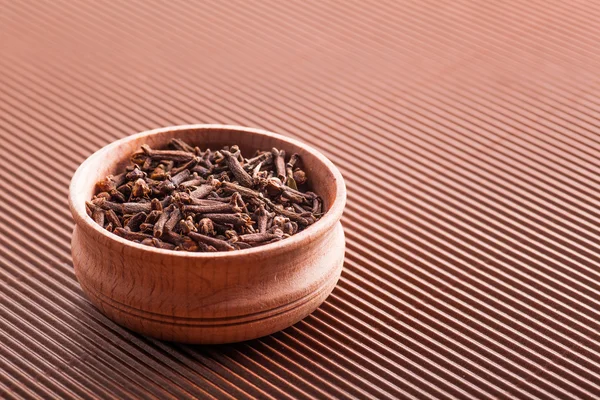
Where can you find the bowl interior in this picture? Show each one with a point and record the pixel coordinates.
(112, 159)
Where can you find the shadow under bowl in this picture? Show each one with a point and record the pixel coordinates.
(208, 298)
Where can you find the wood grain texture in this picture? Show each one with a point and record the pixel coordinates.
(208, 297)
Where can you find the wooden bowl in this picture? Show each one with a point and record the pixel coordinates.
(208, 297)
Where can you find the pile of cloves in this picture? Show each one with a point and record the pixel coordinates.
(186, 199)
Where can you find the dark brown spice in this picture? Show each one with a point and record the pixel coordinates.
(300, 177)
(192, 182)
(290, 228)
(298, 209)
(293, 197)
(133, 224)
(188, 225)
(187, 166)
(125, 189)
(184, 199)
(148, 242)
(140, 188)
(88, 208)
(153, 216)
(165, 186)
(292, 215)
(218, 207)
(147, 227)
(191, 245)
(264, 158)
(156, 205)
(236, 169)
(117, 196)
(98, 216)
(147, 163)
(260, 237)
(206, 159)
(179, 144)
(159, 173)
(211, 241)
(279, 160)
(238, 219)
(210, 201)
(131, 235)
(126, 208)
(174, 218)
(261, 219)
(136, 174)
(317, 205)
(206, 227)
(169, 155)
(111, 217)
(202, 191)
(293, 160)
(180, 177)
(162, 220)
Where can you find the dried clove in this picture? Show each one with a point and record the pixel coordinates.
(192, 182)
(218, 207)
(117, 196)
(133, 224)
(98, 216)
(174, 218)
(169, 155)
(278, 158)
(180, 177)
(191, 245)
(112, 218)
(173, 238)
(183, 198)
(202, 191)
(242, 245)
(211, 241)
(236, 169)
(159, 226)
(153, 216)
(260, 237)
(131, 235)
(136, 174)
(300, 177)
(163, 245)
(140, 188)
(159, 173)
(261, 219)
(179, 144)
(206, 227)
(237, 219)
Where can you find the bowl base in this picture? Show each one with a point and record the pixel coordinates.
(218, 330)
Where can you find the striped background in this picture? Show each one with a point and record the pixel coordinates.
(468, 135)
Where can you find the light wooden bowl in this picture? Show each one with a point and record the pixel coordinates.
(208, 297)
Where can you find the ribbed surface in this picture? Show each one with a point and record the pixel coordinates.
(468, 135)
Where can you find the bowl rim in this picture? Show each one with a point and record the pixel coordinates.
(327, 222)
